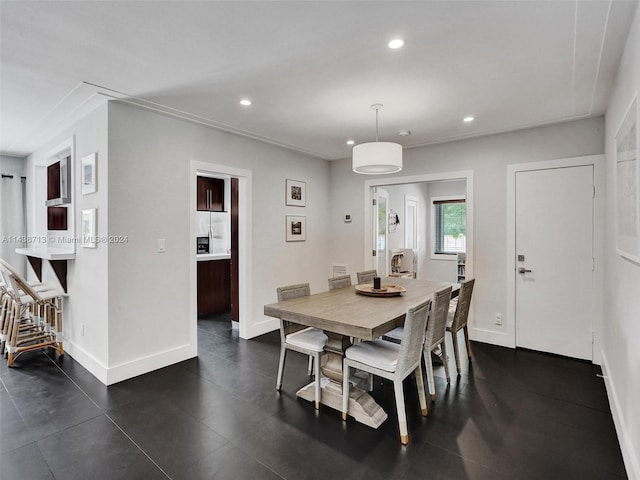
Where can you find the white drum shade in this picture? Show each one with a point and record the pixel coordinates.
(375, 158)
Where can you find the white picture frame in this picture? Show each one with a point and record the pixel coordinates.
(296, 193)
(89, 228)
(296, 228)
(627, 191)
(88, 174)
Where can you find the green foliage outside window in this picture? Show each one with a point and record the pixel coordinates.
(454, 219)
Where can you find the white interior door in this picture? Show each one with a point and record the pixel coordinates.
(380, 208)
(411, 222)
(554, 264)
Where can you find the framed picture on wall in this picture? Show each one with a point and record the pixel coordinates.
(89, 228)
(88, 172)
(627, 196)
(296, 193)
(296, 228)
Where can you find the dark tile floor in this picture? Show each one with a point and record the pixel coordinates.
(512, 414)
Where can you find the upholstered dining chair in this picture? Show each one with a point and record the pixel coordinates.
(341, 281)
(306, 340)
(435, 337)
(366, 276)
(457, 319)
(392, 361)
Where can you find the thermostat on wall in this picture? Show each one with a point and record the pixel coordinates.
(347, 217)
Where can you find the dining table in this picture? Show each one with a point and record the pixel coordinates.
(346, 315)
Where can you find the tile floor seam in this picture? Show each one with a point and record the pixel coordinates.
(45, 458)
(239, 365)
(527, 391)
(73, 381)
(138, 446)
(459, 455)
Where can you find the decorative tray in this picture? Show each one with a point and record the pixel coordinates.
(384, 291)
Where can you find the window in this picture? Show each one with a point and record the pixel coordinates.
(449, 224)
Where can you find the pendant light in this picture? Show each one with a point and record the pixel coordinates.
(376, 158)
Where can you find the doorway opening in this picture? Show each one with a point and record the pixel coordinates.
(221, 231)
(399, 226)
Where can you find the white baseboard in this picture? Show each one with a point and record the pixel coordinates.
(267, 325)
(491, 336)
(136, 367)
(124, 371)
(88, 361)
(629, 453)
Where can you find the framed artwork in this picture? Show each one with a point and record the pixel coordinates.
(296, 228)
(88, 173)
(627, 194)
(89, 228)
(296, 193)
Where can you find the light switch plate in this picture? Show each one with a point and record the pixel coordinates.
(161, 245)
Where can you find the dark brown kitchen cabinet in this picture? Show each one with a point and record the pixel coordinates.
(210, 194)
(56, 218)
(214, 286)
(53, 181)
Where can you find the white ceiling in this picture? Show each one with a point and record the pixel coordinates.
(311, 68)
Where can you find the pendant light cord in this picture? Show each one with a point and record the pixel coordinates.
(377, 110)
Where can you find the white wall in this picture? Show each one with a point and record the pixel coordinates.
(149, 164)
(620, 351)
(87, 274)
(12, 165)
(488, 158)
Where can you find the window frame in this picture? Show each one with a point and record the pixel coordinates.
(433, 201)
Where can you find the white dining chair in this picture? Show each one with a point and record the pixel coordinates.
(457, 319)
(306, 340)
(366, 276)
(341, 281)
(392, 361)
(436, 332)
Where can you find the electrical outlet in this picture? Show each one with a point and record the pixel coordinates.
(162, 245)
(498, 318)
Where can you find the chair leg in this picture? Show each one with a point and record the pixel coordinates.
(430, 380)
(370, 383)
(402, 414)
(310, 369)
(466, 339)
(318, 382)
(456, 349)
(345, 391)
(283, 356)
(421, 395)
(445, 360)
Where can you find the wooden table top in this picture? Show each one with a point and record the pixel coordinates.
(345, 312)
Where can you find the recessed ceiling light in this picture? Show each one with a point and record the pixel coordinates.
(468, 119)
(396, 43)
(350, 142)
(404, 133)
(245, 102)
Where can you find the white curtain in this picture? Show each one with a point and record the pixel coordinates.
(12, 224)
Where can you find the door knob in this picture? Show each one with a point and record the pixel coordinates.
(523, 270)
